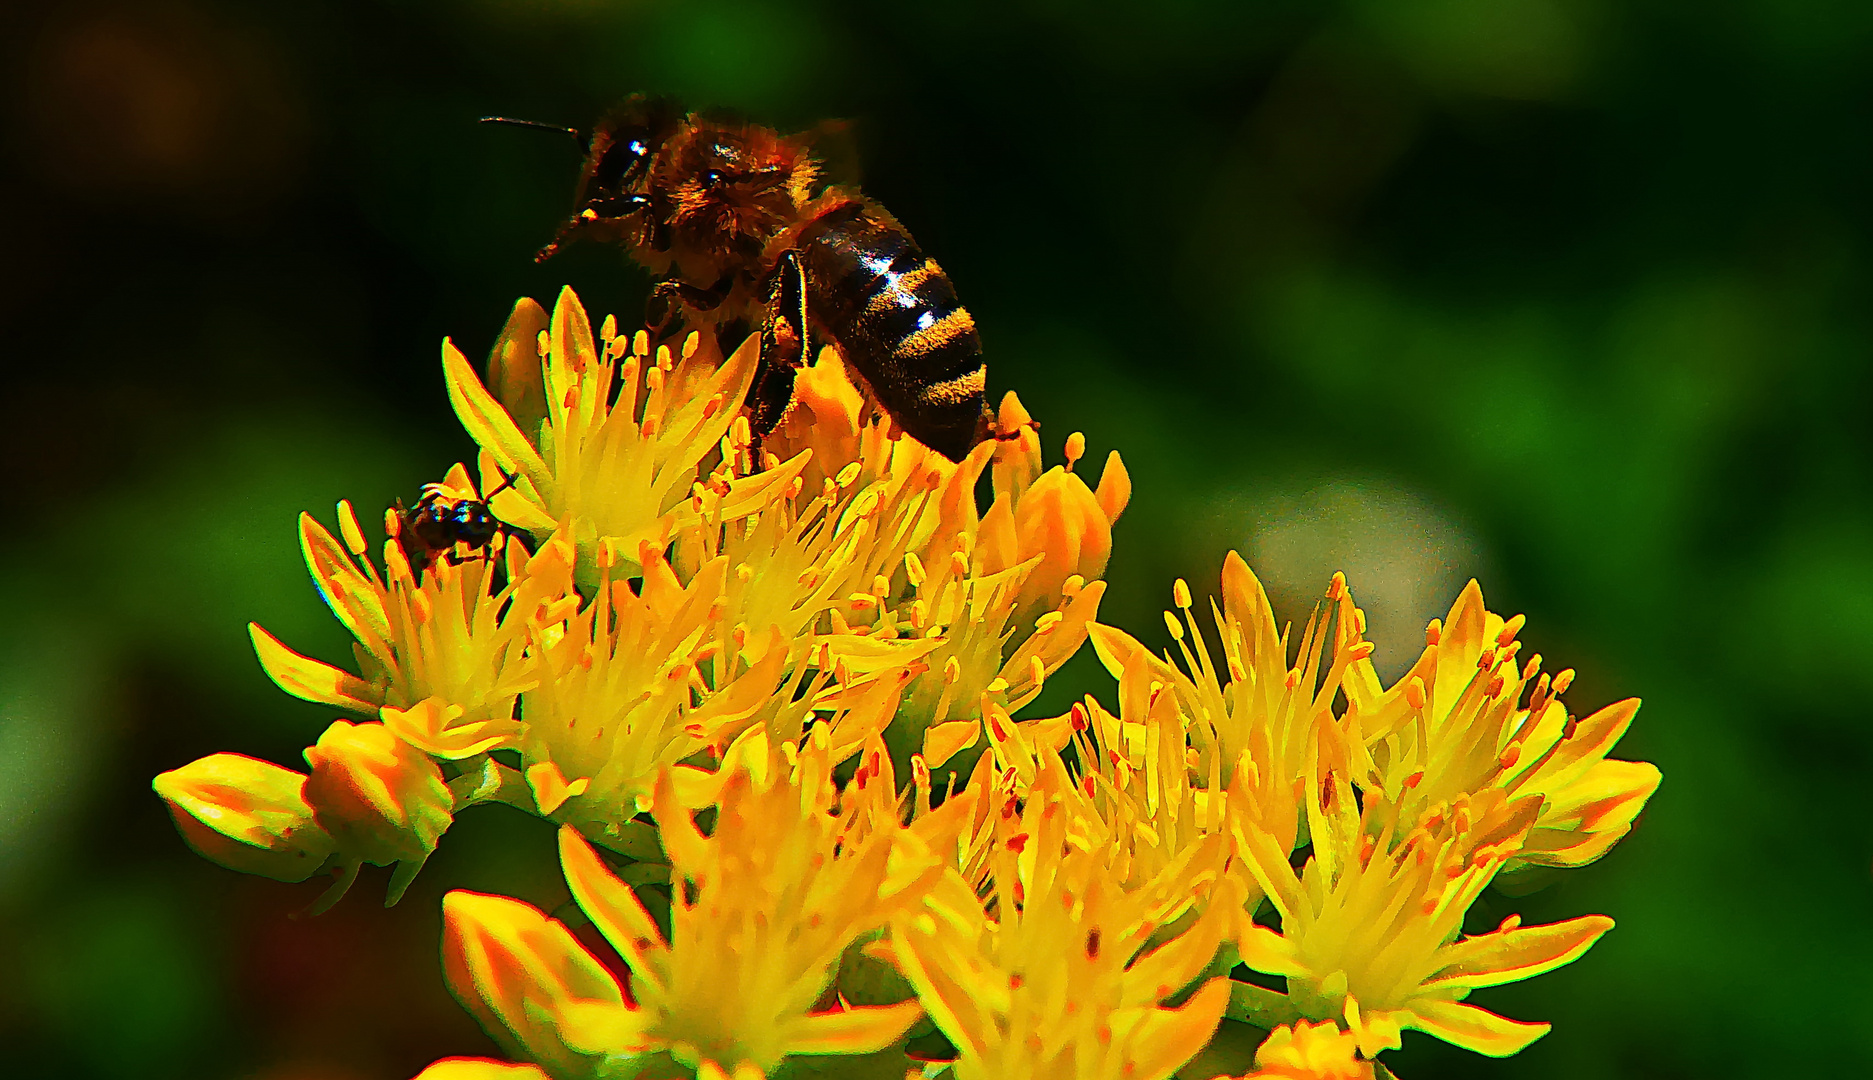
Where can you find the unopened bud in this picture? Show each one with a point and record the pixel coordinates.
(247, 815)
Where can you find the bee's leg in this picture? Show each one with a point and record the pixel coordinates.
(658, 310)
(783, 345)
(507, 481)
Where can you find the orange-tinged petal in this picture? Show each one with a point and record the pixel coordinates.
(1472, 1028)
(514, 969)
(435, 727)
(611, 905)
(1115, 487)
(514, 367)
(247, 815)
(944, 741)
(467, 1068)
(1508, 956)
(857, 1030)
(1166, 1038)
(550, 787)
(312, 680)
(1059, 519)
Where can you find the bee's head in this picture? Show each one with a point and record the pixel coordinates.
(612, 196)
(730, 185)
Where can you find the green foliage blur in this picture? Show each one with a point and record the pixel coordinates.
(1571, 295)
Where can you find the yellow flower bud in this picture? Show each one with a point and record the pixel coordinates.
(1060, 520)
(532, 986)
(382, 799)
(246, 815)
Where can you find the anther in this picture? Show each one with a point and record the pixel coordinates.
(348, 527)
(1076, 449)
(1180, 594)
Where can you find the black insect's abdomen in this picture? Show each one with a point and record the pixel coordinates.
(894, 314)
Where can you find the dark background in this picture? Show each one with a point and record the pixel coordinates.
(1568, 294)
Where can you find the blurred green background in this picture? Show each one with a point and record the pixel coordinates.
(1571, 295)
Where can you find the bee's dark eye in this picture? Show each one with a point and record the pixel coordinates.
(619, 161)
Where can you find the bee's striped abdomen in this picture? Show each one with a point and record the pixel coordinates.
(895, 316)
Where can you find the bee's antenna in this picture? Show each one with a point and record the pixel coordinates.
(577, 136)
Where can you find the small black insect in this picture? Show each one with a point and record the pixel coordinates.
(438, 524)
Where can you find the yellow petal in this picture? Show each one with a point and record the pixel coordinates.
(858, 1030)
(514, 968)
(604, 1027)
(1115, 487)
(490, 425)
(942, 742)
(467, 1068)
(1508, 956)
(1166, 1038)
(1472, 1028)
(312, 680)
(1269, 952)
(611, 905)
(514, 367)
(435, 727)
(550, 787)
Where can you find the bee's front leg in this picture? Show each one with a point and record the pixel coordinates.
(658, 310)
(783, 345)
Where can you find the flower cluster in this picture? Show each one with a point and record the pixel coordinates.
(768, 689)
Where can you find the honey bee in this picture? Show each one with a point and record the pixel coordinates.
(738, 221)
(438, 523)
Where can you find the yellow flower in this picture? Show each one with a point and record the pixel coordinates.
(609, 442)
(1055, 984)
(642, 678)
(1370, 927)
(1305, 1051)
(463, 1068)
(1137, 784)
(765, 907)
(452, 638)
(1457, 723)
(1268, 718)
(382, 800)
(247, 815)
